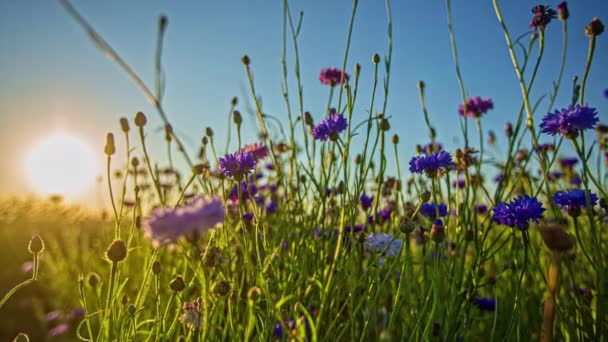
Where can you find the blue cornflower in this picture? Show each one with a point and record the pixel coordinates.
(431, 164)
(366, 201)
(485, 304)
(569, 121)
(429, 210)
(519, 212)
(542, 17)
(237, 165)
(568, 163)
(330, 127)
(271, 207)
(573, 200)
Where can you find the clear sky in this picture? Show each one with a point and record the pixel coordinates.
(54, 78)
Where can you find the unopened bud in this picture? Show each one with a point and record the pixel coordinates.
(438, 231)
(140, 119)
(508, 130)
(124, 124)
(177, 284)
(595, 27)
(556, 238)
(134, 162)
(131, 309)
(162, 23)
(93, 280)
(234, 101)
(204, 141)
(221, 288)
(110, 148)
(384, 125)
(168, 132)
(209, 132)
(117, 251)
(237, 118)
(395, 139)
(245, 60)
(425, 196)
(406, 225)
(308, 119)
(156, 268)
(421, 85)
(358, 159)
(36, 244)
(198, 169)
(376, 58)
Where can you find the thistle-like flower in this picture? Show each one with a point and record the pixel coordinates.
(569, 121)
(431, 164)
(330, 127)
(237, 165)
(476, 107)
(333, 76)
(519, 212)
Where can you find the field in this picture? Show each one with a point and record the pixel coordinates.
(324, 227)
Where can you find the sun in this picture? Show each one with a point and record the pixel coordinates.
(61, 164)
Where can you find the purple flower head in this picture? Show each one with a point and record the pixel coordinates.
(366, 201)
(59, 330)
(460, 183)
(576, 181)
(568, 163)
(554, 176)
(166, 225)
(572, 200)
(485, 304)
(329, 127)
(606, 93)
(258, 150)
(569, 121)
(481, 209)
(248, 217)
(271, 207)
(476, 107)
(52, 316)
(430, 210)
(542, 17)
(519, 212)
(245, 192)
(333, 76)
(562, 10)
(431, 164)
(237, 165)
(278, 327)
(379, 242)
(76, 313)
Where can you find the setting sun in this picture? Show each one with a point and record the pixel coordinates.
(60, 164)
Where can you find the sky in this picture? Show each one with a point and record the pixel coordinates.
(54, 79)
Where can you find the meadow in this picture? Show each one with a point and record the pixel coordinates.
(325, 228)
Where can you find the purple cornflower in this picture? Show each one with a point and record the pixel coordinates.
(568, 163)
(573, 200)
(431, 164)
(278, 327)
(166, 225)
(569, 121)
(378, 242)
(519, 212)
(576, 181)
(333, 76)
(429, 210)
(485, 304)
(542, 17)
(329, 127)
(476, 107)
(366, 201)
(237, 165)
(248, 217)
(554, 175)
(459, 184)
(481, 209)
(258, 150)
(59, 330)
(245, 192)
(271, 207)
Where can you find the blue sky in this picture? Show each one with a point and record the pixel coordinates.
(54, 78)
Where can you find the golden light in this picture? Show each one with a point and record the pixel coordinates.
(61, 164)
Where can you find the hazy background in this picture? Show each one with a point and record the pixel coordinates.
(54, 78)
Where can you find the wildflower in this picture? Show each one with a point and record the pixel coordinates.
(166, 225)
(438, 231)
(237, 165)
(430, 210)
(271, 207)
(572, 200)
(485, 304)
(431, 164)
(59, 330)
(556, 238)
(562, 11)
(576, 181)
(481, 209)
(595, 27)
(569, 121)
(542, 17)
(278, 328)
(52, 316)
(75, 314)
(568, 163)
(192, 316)
(333, 76)
(519, 212)
(459, 183)
(329, 127)
(245, 192)
(258, 150)
(476, 107)
(554, 175)
(366, 201)
(379, 242)
(381, 217)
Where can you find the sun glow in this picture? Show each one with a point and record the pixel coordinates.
(61, 164)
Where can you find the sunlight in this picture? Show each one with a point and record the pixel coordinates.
(60, 164)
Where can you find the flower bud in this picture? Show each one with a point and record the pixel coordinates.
(237, 118)
(156, 268)
(357, 68)
(421, 85)
(384, 125)
(162, 23)
(36, 244)
(376, 58)
(204, 141)
(308, 119)
(469, 234)
(595, 27)
(117, 251)
(358, 159)
(395, 139)
(134, 162)
(221, 288)
(93, 280)
(508, 130)
(245, 60)
(406, 225)
(110, 148)
(177, 284)
(556, 238)
(341, 187)
(425, 196)
(209, 132)
(140, 119)
(131, 309)
(438, 231)
(234, 101)
(125, 299)
(562, 11)
(124, 124)
(198, 169)
(168, 132)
